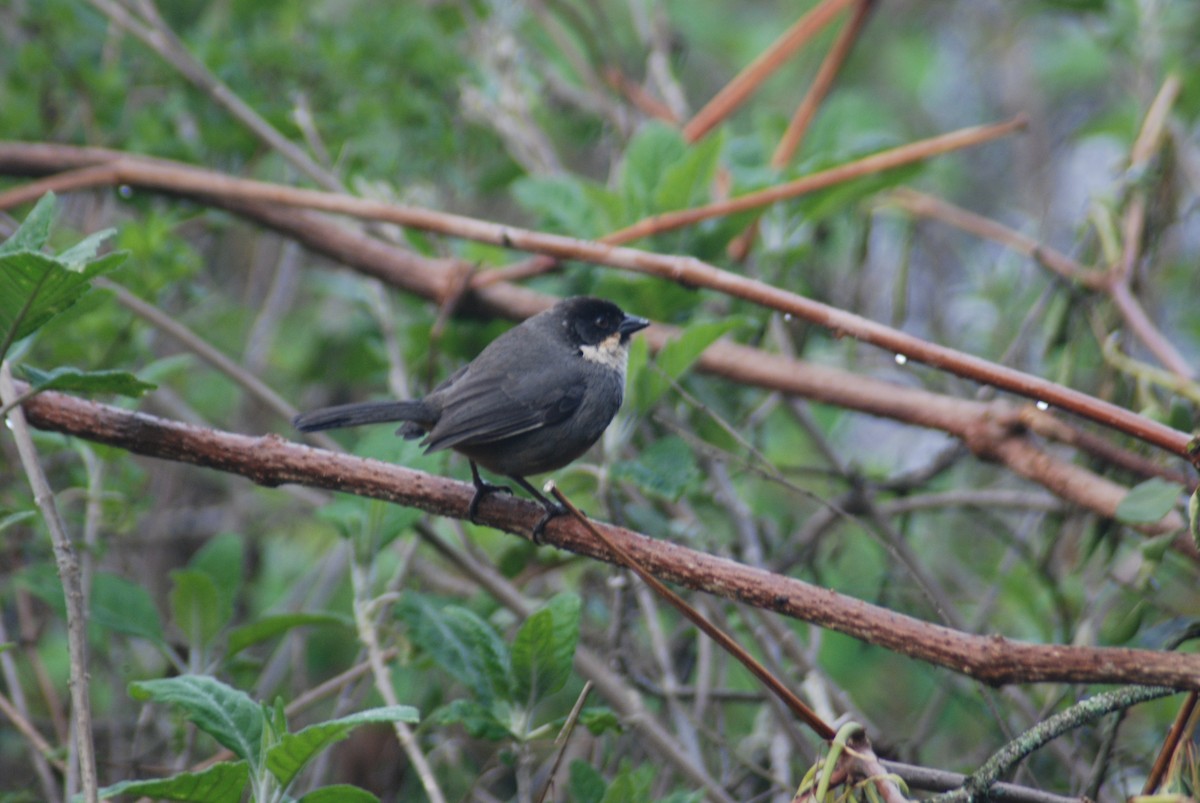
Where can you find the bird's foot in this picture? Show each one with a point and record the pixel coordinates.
(482, 489)
(553, 510)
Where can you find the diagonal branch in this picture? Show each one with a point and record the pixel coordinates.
(270, 460)
(689, 271)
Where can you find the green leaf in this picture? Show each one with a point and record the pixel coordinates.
(1149, 501)
(35, 288)
(78, 381)
(586, 783)
(275, 719)
(461, 643)
(1121, 627)
(687, 182)
(222, 559)
(665, 469)
(675, 358)
(560, 203)
(269, 627)
(125, 607)
(78, 256)
(630, 784)
(544, 649)
(35, 231)
(600, 720)
(653, 148)
(42, 580)
(221, 783)
(294, 750)
(479, 720)
(13, 519)
(339, 793)
(197, 608)
(221, 711)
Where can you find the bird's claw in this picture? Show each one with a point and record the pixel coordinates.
(539, 529)
(483, 489)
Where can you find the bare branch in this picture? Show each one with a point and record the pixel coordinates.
(270, 460)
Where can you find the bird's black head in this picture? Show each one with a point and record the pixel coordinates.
(593, 321)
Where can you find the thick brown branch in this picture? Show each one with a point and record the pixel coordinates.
(271, 460)
(161, 176)
(687, 270)
(977, 424)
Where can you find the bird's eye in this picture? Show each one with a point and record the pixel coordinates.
(601, 322)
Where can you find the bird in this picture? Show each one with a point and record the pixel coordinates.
(534, 400)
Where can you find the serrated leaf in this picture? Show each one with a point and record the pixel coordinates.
(461, 643)
(269, 627)
(125, 607)
(339, 793)
(544, 648)
(75, 380)
(221, 711)
(34, 288)
(1149, 501)
(35, 230)
(78, 256)
(221, 783)
(294, 750)
(197, 608)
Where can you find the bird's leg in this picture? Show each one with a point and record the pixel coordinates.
(553, 509)
(482, 489)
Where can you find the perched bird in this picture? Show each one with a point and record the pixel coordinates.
(535, 399)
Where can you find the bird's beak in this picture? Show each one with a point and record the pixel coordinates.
(632, 324)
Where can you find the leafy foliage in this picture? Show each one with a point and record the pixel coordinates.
(569, 118)
(269, 757)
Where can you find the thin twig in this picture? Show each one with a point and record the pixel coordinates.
(789, 143)
(564, 735)
(367, 634)
(1133, 232)
(750, 78)
(69, 573)
(919, 203)
(41, 747)
(1183, 720)
(868, 165)
(802, 711)
(977, 784)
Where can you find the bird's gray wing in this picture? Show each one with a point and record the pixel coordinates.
(483, 409)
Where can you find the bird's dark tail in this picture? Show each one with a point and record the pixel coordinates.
(353, 415)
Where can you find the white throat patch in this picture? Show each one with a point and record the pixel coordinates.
(611, 353)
